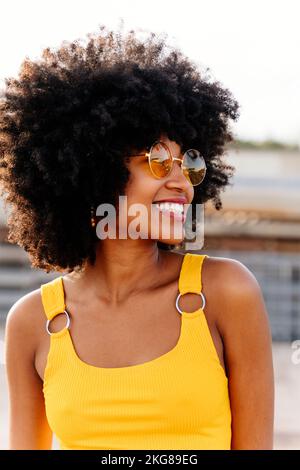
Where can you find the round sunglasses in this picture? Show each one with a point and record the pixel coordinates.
(161, 162)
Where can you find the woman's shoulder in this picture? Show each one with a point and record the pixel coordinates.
(225, 280)
(229, 272)
(26, 318)
(231, 279)
(221, 269)
(226, 273)
(234, 294)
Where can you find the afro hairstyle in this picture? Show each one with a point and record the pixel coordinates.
(70, 117)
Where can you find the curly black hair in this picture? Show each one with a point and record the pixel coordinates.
(70, 117)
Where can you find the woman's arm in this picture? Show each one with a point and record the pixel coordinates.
(28, 426)
(244, 326)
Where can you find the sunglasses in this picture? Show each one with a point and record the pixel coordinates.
(161, 161)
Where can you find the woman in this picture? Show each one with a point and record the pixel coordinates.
(121, 351)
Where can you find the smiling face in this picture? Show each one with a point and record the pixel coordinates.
(145, 189)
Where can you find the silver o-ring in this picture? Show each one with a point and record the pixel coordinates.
(179, 295)
(67, 325)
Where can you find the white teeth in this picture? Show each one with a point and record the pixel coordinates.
(170, 206)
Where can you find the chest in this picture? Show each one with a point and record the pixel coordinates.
(179, 401)
(142, 330)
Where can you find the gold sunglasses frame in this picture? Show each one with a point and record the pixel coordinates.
(148, 154)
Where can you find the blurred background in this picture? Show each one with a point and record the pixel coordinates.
(252, 48)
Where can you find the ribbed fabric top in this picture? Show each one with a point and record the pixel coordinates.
(178, 400)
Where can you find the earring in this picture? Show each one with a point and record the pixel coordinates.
(93, 217)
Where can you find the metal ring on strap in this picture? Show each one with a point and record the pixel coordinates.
(67, 325)
(179, 295)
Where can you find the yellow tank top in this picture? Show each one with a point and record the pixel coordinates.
(179, 400)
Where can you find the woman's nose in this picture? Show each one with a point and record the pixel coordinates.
(177, 168)
(177, 174)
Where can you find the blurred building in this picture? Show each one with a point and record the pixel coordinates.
(17, 277)
(260, 226)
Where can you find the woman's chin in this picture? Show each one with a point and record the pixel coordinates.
(171, 240)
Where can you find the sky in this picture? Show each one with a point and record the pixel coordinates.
(250, 46)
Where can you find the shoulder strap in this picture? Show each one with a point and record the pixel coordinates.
(190, 279)
(53, 297)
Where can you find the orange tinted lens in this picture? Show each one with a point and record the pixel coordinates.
(160, 160)
(194, 166)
